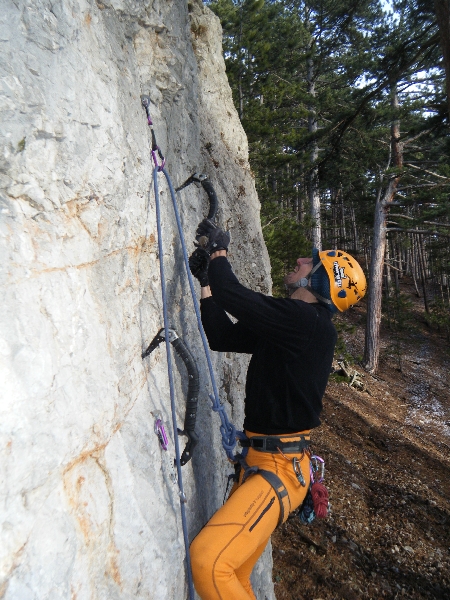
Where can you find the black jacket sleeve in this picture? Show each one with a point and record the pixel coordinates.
(287, 323)
(224, 335)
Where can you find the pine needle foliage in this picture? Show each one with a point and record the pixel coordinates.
(312, 81)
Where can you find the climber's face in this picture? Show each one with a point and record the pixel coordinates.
(302, 269)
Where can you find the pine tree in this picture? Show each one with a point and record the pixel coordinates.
(312, 80)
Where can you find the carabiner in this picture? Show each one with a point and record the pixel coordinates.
(296, 465)
(317, 466)
(161, 433)
(155, 148)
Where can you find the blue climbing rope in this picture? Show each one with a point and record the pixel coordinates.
(171, 385)
(227, 429)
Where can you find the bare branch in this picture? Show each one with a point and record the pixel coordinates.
(271, 221)
(392, 266)
(425, 222)
(416, 136)
(417, 231)
(426, 171)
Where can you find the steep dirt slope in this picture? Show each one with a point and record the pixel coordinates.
(388, 465)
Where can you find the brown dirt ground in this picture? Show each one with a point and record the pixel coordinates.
(388, 464)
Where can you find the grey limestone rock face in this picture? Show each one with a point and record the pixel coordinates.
(88, 507)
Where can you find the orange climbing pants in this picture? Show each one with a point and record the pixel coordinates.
(225, 551)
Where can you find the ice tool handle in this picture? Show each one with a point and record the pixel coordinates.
(193, 388)
(155, 148)
(201, 179)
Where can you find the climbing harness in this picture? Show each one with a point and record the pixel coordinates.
(316, 500)
(281, 493)
(192, 394)
(267, 443)
(273, 445)
(315, 503)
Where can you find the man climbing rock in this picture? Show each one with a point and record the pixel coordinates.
(292, 342)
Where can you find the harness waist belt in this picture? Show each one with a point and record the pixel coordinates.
(273, 444)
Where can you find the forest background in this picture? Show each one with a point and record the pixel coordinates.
(344, 105)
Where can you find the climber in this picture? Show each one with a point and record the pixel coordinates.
(291, 341)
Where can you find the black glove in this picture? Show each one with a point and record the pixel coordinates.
(212, 238)
(198, 263)
(218, 240)
(204, 229)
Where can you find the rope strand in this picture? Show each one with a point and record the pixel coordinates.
(227, 429)
(172, 387)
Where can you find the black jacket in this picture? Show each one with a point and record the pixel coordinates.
(292, 344)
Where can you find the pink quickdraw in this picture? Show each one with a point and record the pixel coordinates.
(161, 433)
(155, 148)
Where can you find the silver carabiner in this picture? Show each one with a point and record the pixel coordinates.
(296, 465)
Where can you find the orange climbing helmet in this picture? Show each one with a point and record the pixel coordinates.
(346, 278)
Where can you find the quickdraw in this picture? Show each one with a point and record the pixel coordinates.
(155, 148)
(317, 467)
(164, 443)
(193, 388)
(161, 433)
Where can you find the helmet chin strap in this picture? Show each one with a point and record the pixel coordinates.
(304, 283)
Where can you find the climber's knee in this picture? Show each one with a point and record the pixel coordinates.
(202, 564)
(213, 574)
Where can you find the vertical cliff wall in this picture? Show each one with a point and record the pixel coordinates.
(88, 509)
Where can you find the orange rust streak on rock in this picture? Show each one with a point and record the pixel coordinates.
(15, 564)
(113, 564)
(144, 247)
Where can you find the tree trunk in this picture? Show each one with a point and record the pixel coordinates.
(387, 291)
(342, 209)
(241, 94)
(314, 198)
(423, 272)
(399, 271)
(388, 265)
(442, 10)
(401, 256)
(414, 264)
(355, 230)
(407, 258)
(334, 235)
(372, 341)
